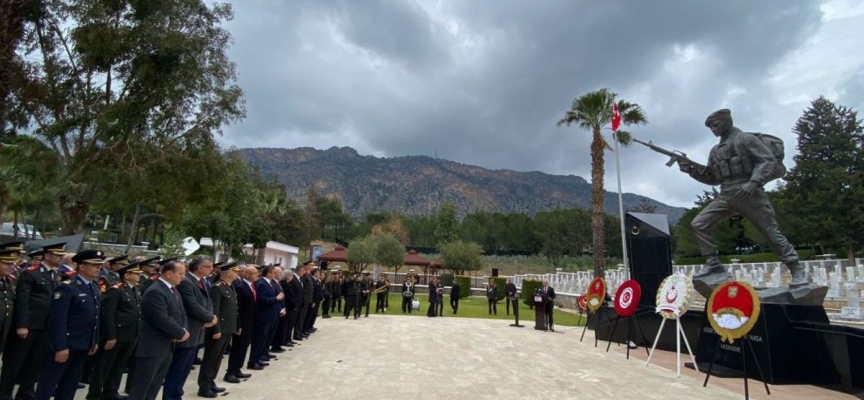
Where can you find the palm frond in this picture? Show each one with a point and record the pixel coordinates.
(625, 138)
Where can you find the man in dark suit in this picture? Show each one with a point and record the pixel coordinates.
(293, 300)
(26, 351)
(305, 299)
(217, 337)
(195, 292)
(454, 296)
(163, 323)
(269, 303)
(246, 303)
(510, 295)
(121, 306)
(8, 257)
(308, 298)
(73, 328)
(277, 340)
(317, 297)
(549, 302)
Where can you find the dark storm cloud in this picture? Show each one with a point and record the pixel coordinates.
(484, 82)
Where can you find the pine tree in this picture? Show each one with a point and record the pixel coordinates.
(826, 186)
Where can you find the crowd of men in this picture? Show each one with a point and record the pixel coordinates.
(68, 318)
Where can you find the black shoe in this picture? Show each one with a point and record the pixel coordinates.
(298, 338)
(217, 389)
(279, 350)
(289, 344)
(242, 375)
(231, 379)
(197, 361)
(270, 356)
(208, 394)
(121, 397)
(256, 366)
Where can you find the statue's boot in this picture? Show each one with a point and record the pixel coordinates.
(712, 274)
(799, 276)
(712, 266)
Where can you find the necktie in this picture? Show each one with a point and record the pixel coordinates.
(201, 283)
(254, 293)
(174, 292)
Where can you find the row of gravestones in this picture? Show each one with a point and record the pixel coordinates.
(845, 283)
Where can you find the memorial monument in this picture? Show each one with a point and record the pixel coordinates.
(741, 164)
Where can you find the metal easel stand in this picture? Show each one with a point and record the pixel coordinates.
(743, 363)
(678, 335)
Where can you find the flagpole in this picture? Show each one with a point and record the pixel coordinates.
(620, 202)
(621, 207)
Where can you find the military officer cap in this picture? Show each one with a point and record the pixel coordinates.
(233, 266)
(218, 265)
(58, 249)
(119, 260)
(89, 257)
(133, 267)
(8, 256)
(17, 247)
(36, 254)
(310, 262)
(366, 272)
(279, 264)
(151, 262)
(722, 113)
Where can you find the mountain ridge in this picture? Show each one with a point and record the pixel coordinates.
(418, 185)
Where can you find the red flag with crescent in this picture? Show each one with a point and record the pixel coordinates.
(616, 117)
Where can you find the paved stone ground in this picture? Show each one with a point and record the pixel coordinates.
(392, 357)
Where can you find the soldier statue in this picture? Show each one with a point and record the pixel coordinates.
(741, 164)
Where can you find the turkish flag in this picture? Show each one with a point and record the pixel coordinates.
(616, 117)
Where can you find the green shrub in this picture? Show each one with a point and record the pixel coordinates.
(464, 286)
(447, 279)
(528, 288)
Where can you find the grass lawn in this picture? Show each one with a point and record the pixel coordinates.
(475, 307)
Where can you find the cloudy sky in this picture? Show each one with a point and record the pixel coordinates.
(484, 81)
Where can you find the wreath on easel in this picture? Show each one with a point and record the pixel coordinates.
(596, 294)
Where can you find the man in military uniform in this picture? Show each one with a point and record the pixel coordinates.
(8, 258)
(109, 276)
(308, 293)
(741, 164)
(380, 295)
(366, 287)
(150, 273)
(352, 297)
(217, 337)
(121, 306)
(25, 353)
(73, 328)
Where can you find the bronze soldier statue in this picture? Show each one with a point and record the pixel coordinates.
(741, 164)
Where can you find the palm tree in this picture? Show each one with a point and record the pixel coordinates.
(593, 111)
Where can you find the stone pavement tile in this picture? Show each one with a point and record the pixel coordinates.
(391, 357)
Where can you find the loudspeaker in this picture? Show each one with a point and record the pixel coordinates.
(650, 252)
(494, 272)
